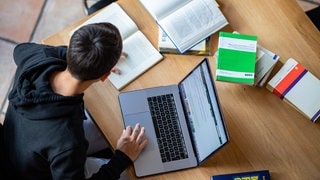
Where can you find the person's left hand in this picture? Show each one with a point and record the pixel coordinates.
(116, 70)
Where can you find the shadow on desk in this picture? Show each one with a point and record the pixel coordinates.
(314, 15)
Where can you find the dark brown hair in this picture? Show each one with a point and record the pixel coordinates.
(93, 50)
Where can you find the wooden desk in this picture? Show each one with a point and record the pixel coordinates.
(265, 132)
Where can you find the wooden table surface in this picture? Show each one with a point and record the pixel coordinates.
(265, 132)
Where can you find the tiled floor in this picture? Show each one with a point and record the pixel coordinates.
(308, 4)
(30, 21)
(34, 20)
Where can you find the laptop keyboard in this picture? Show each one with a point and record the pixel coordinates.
(167, 127)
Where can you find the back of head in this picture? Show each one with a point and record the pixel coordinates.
(93, 51)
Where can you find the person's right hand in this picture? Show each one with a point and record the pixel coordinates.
(131, 142)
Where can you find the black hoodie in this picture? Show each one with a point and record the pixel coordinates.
(43, 131)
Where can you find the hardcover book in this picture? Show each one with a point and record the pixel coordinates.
(186, 22)
(236, 58)
(142, 55)
(251, 175)
(266, 60)
(298, 87)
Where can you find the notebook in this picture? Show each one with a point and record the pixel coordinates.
(191, 111)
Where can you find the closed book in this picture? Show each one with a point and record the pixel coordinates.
(236, 58)
(250, 175)
(266, 60)
(299, 87)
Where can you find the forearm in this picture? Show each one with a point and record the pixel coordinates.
(117, 164)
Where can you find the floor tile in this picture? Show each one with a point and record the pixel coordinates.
(18, 18)
(306, 6)
(7, 65)
(7, 70)
(57, 15)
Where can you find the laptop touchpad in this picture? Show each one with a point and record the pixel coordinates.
(144, 120)
(133, 102)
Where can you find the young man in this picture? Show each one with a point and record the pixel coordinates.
(43, 135)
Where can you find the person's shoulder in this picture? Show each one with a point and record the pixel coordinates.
(56, 51)
(34, 45)
(31, 47)
(27, 46)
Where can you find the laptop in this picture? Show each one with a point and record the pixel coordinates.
(184, 123)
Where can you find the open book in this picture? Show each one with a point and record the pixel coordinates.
(166, 46)
(141, 53)
(186, 22)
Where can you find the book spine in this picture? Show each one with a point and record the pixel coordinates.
(288, 82)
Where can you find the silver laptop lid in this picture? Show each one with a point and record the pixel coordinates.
(203, 112)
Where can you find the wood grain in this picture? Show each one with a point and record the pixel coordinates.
(265, 132)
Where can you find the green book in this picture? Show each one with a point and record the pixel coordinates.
(236, 58)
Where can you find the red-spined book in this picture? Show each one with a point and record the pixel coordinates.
(299, 87)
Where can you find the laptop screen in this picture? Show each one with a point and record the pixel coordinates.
(203, 113)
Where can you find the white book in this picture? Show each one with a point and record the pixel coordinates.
(299, 87)
(266, 60)
(142, 55)
(186, 22)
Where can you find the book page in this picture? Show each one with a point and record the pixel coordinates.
(141, 56)
(115, 15)
(160, 9)
(194, 22)
(166, 43)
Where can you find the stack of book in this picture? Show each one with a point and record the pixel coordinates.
(241, 60)
(186, 22)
